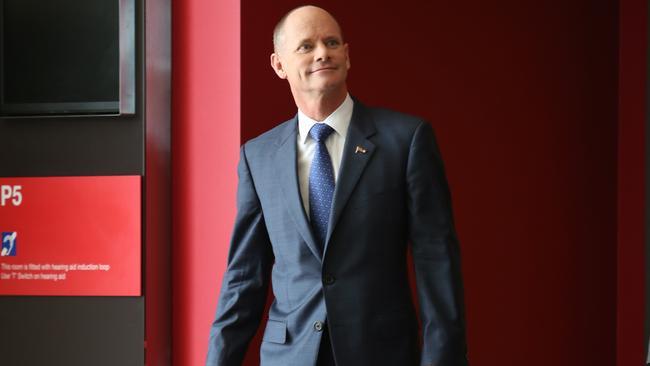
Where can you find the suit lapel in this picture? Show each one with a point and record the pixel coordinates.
(356, 153)
(285, 165)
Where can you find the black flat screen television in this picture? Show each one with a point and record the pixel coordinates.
(67, 57)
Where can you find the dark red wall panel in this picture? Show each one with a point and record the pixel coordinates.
(523, 97)
(631, 182)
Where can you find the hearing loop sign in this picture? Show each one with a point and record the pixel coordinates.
(70, 236)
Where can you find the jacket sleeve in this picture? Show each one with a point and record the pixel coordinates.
(436, 254)
(245, 282)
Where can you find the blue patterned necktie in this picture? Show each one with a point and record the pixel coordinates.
(321, 183)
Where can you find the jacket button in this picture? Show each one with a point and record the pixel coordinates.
(318, 326)
(329, 279)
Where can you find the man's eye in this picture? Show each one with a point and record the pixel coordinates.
(332, 43)
(304, 48)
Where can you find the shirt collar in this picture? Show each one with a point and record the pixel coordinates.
(339, 120)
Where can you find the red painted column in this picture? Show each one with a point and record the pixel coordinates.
(205, 143)
(633, 65)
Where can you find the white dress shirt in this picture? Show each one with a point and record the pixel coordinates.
(339, 120)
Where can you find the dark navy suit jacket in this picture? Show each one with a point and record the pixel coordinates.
(390, 193)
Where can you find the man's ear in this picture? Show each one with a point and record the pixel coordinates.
(276, 64)
(347, 56)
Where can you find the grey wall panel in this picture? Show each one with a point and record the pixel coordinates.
(68, 146)
(79, 145)
(71, 331)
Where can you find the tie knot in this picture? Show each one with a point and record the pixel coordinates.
(320, 131)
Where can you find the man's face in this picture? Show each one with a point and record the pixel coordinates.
(311, 54)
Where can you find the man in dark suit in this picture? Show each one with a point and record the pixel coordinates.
(327, 205)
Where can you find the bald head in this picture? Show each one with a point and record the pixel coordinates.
(311, 55)
(300, 15)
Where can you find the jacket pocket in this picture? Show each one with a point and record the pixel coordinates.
(275, 332)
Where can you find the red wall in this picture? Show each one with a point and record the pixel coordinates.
(205, 143)
(524, 99)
